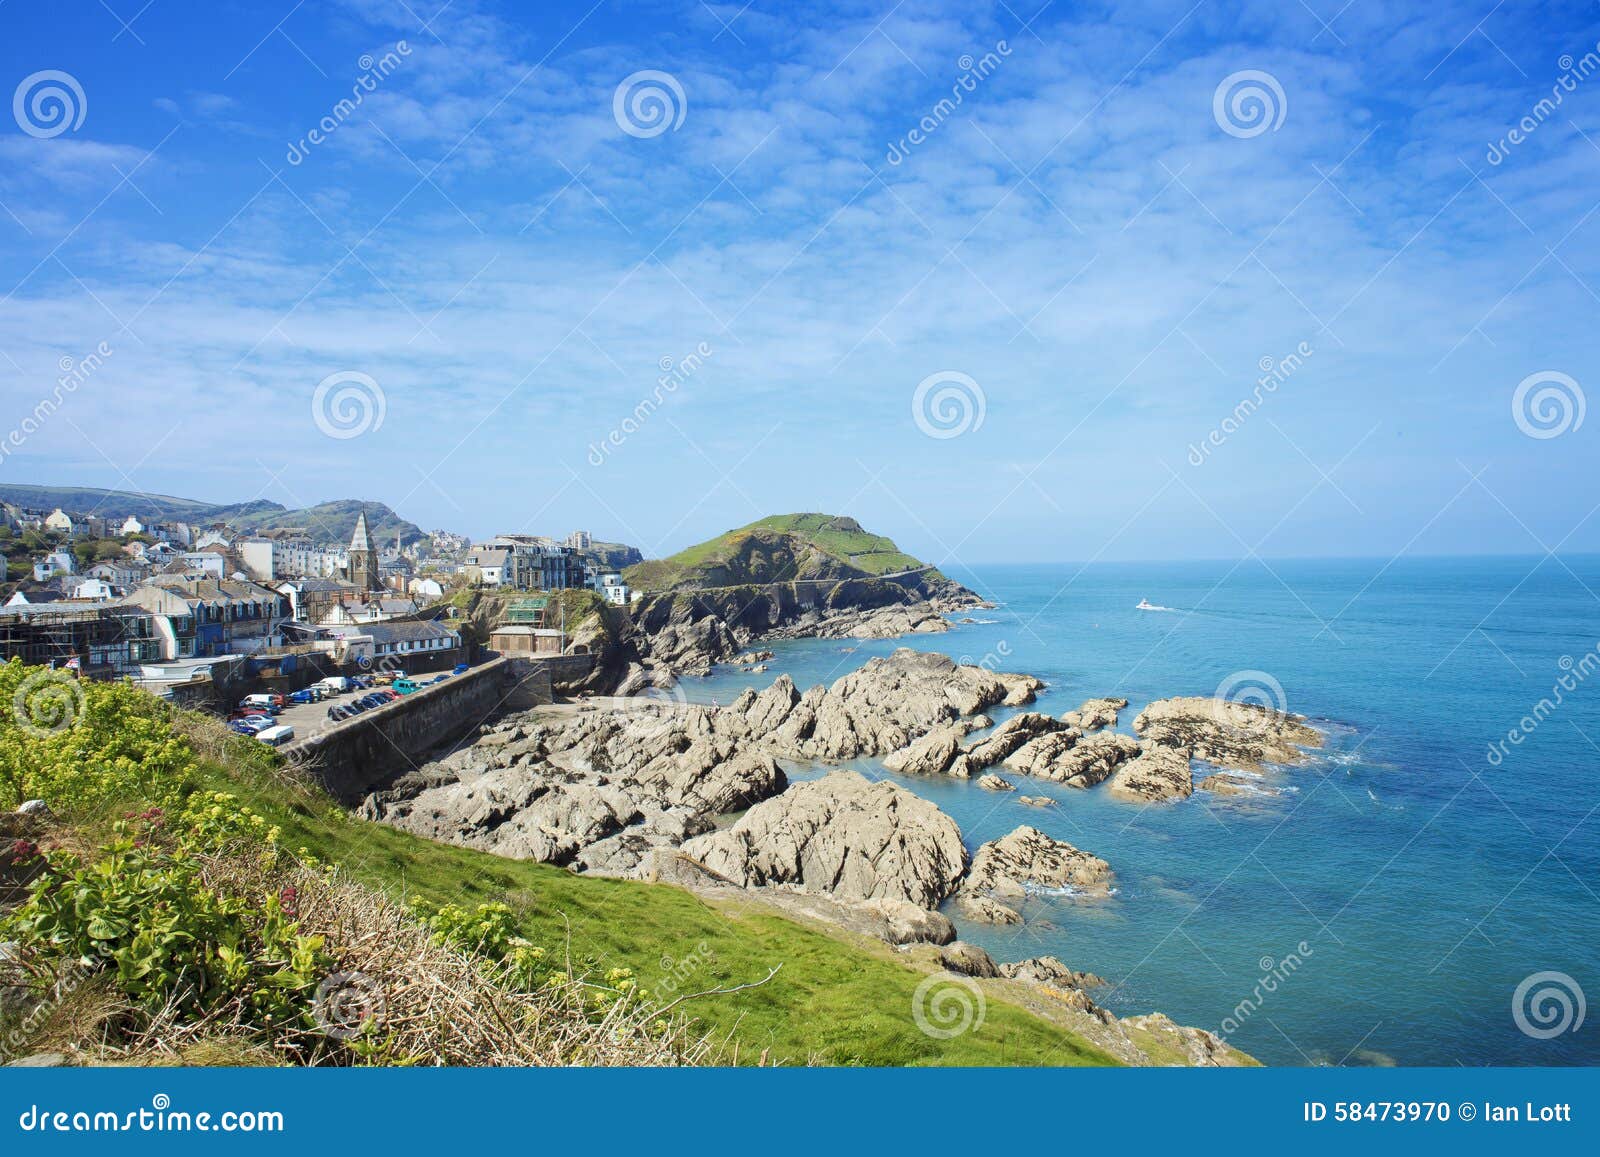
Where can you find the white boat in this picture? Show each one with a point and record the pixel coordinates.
(1146, 605)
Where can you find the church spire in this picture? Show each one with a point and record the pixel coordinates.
(362, 538)
(363, 568)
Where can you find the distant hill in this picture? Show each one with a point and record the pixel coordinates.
(327, 521)
(782, 548)
(613, 555)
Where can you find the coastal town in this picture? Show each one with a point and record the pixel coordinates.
(203, 612)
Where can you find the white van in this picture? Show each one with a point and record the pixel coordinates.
(336, 684)
(276, 736)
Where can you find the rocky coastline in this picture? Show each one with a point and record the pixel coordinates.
(652, 788)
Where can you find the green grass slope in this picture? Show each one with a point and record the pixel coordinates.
(830, 1002)
(780, 548)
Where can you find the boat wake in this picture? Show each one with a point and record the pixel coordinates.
(1147, 605)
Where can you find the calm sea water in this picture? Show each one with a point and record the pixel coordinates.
(1418, 883)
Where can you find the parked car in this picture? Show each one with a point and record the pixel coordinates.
(459, 669)
(276, 736)
(266, 700)
(407, 686)
(308, 695)
(437, 679)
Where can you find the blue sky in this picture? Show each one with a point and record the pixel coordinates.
(1096, 248)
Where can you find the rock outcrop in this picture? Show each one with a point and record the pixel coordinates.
(1049, 970)
(910, 699)
(1239, 735)
(1010, 735)
(1095, 714)
(1073, 759)
(844, 835)
(1224, 783)
(1158, 775)
(1004, 871)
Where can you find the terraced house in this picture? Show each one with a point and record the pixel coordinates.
(231, 616)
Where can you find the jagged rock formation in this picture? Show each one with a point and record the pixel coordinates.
(1158, 774)
(1004, 870)
(1239, 735)
(844, 835)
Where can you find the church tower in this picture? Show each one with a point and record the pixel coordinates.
(363, 568)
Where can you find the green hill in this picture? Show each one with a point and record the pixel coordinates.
(781, 548)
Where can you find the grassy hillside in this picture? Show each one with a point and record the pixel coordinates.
(830, 999)
(781, 548)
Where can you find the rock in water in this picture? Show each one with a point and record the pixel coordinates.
(1012, 734)
(1224, 784)
(843, 835)
(1241, 735)
(1069, 758)
(1003, 871)
(995, 783)
(1095, 714)
(1158, 775)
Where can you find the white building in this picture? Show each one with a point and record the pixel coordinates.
(131, 525)
(59, 521)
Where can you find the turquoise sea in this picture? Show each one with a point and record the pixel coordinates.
(1387, 906)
